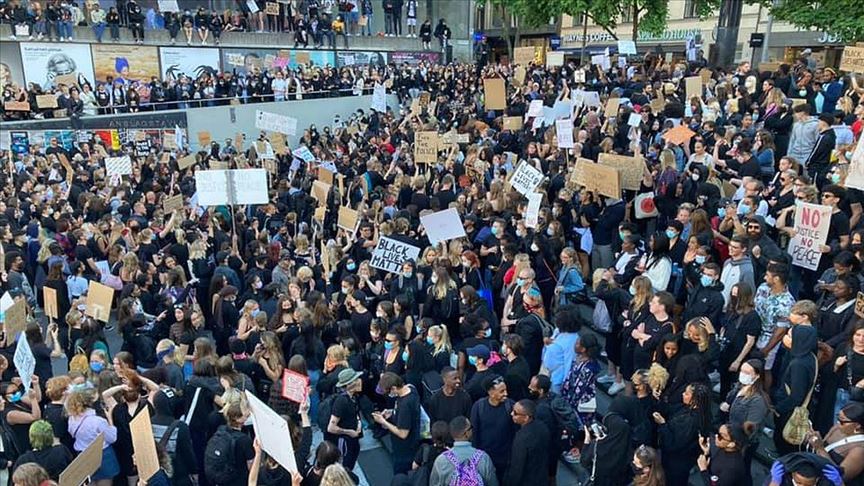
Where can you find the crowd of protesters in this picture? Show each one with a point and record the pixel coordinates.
(481, 361)
(312, 22)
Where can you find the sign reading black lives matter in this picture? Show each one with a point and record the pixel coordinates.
(389, 255)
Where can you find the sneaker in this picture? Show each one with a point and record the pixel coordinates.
(173, 42)
(109, 327)
(615, 388)
(768, 431)
(572, 457)
(606, 379)
(716, 388)
(12, 37)
(30, 38)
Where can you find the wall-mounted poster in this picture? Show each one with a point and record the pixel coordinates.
(125, 63)
(11, 70)
(360, 58)
(45, 62)
(243, 61)
(316, 58)
(193, 62)
(414, 57)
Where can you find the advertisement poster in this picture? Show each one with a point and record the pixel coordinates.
(11, 70)
(20, 142)
(414, 57)
(125, 63)
(66, 138)
(193, 62)
(360, 58)
(242, 61)
(43, 62)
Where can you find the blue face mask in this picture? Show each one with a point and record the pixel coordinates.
(632, 290)
(550, 232)
(389, 346)
(429, 340)
(97, 367)
(405, 356)
(16, 397)
(472, 360)
(671, 234)
(487, 333)
(721, 213)
(621, 235)
(743, 209)
(351, 267)
(706, 281)
(256, 312)
(418, 329)
(520, 282)
(700, 259)
(494, 231)
(407, 274)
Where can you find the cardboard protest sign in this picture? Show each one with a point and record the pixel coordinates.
(348, 219)
(144, 445)
(325, 175)
(564, 133)
(612, 105)
(426, 147)
(15, 319)
(16, 106)
(443, 225)
(693, 87)
(524, 55)
(852, 60)
(271, 8)
(812, 222)
(204, 139)
(172, 203)
(679, 135)
(554, 59)
(532, 212)
(67, 79)
(118, 165)
(519, 76)
(186, 162)
(24, 362)
(855, 175)
(294, 386)
(598, 178)
(495, 94)
(87, 463)
(46, 101)
(390, 254)
(425, 98)
(320, 190)
(512, 122)
(49, 296)
(706, 75)
(99, 298)
(273, 433)
(526, 178)
(632, 169)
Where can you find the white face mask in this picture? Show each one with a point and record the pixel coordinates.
(746, 379)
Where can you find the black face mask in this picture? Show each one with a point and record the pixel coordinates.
(637, 471)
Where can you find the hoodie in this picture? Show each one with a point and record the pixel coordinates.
(807, 463)
(800, 375)
(735, 271)
(768, 250)
(803, 139)
(705, 302)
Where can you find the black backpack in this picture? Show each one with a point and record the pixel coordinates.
(325, 410)
(566, 417)
(219, 457)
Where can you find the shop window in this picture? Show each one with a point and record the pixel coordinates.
(578, 20)
(690, 9)
(627, 16)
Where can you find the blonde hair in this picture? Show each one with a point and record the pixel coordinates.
(337, 353)
(444, 341)
(658, 376)
(336, 475)
(165, 345)
(305, 273)
(235, 406)
(197, 250)
(301, 242)
(703, 334)
(80, 399)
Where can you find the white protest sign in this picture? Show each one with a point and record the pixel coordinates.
(24, 361)
(275, 123)
(855, 176)
(526, 178)
(626, 47)
(390, 254)
(118, 165)
(812, 222)
(535, 109)
(591, 98)
(379, 98)
(635, 120)
(532, 214)
(443, 225)
(6, 302)
(168, 6)
(252, 5)
(272, 431)
(304, 153)
(242, 186)
(564, 131)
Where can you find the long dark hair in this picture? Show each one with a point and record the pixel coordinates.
(659, 248)
(701, 404)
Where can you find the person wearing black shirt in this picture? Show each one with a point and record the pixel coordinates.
(54, 458)
(838, 231)
(361, 318)
(345, 424)
(518, 373)
(528, 457)
(178, 444)
(236, 412)
(451, 400)
(478, 356)
(722, 463)
(403, 422)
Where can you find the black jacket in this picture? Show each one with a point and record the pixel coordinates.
(705, 302)
(820, 157)
(800, 374)
(528, 459)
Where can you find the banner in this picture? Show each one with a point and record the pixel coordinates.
(443, 225)
(189, 61)
(812, 222)
(126, 63)
(390, 254)
(414, 58)
(525, 178)
(273, 122)
(379, 98)
(564, 132)
(43, 63)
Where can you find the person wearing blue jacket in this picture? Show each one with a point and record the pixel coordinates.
(569, 277)
(832, 90)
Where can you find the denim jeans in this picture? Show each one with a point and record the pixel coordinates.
(65, 29)
(41, 27)
(99, 30)
(52, 26)
(367, 29)
(115, 31)
(841, 401)
(388, 23)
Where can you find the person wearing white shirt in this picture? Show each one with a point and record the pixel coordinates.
(279, 86)
(656, 265)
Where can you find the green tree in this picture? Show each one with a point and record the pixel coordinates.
(844, 18)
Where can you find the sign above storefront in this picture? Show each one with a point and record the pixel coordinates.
(573, 39)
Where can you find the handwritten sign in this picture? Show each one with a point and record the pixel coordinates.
(426, 147)
(46, 101)
(16, 106)
(49, 295)
(812, 222)
(271, 8)
(15, 318)
(294, 386)
(564, 133)
(25, 362)
(524, 55)
(526, 178)
(495, 94)
(532, 212)
(693, 87)
(172, 203)
(186, 162)
(600, 179)
(443, 225)
(348, 219)
(320, 190)
(627, 47)
(144, 445)
(852, 60)
(379, 98)
(632, 169)
(99, 298)
(273, 433)
(273, 122)
(118, 165)
(512, 122)
(554, 59)
(87, 463)
(390, 254)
